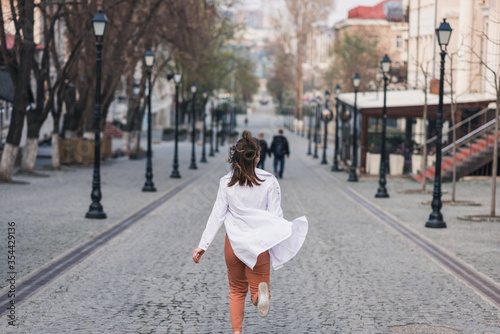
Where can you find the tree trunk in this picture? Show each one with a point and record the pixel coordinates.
(29, 156)
(88, 122)
(31, 150)
(135, 141)
(13, 140)
(298, 79)
(125, 142)
(424, 148)
(7, 164)
(495, 159)
(454, 151)
(73, 112)
(56, 160)
(301, 83)
(56, 115)
(21, 74)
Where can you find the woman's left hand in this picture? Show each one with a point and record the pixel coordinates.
(197, 253)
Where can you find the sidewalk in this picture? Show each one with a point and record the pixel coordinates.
(354, 274)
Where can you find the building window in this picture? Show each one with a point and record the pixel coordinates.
(399, 42)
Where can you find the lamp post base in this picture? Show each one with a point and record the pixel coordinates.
(193, 166)
(336, 168)
(95, 212)
(324, 162)
(149, 187)
(382, 193)
(352, 177)
(435, 221)
(175, 174)
(203, 159)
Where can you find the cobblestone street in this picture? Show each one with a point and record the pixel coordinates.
(353, 274)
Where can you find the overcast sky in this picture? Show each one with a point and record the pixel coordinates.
(340, 13)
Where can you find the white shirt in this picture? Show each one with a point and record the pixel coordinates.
(254, 221)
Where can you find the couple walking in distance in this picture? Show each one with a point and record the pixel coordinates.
(279, 148)
(249, 204)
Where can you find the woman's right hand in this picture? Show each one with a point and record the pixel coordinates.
(197, 253)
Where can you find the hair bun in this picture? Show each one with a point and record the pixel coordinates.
(246, 134)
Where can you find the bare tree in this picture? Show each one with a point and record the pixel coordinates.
(281, 79)
(423, 163)
(19, 63)
(129, 25)
(495, 73)
(454, 132)
(37, 115)
(301, 16)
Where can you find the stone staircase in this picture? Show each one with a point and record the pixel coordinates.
(473, 150)
(468, 159)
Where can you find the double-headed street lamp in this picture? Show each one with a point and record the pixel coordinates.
(177, 79)
(335, 167)
(149, 60)
(203, 155)
(326, 116)
(193, 128)
(353, 176)
(96, 210)
(385, 66)
(435, 220)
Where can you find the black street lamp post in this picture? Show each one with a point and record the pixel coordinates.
(303, 126)
(309, 135)
(436, 218)
(193, 128)
(316, 126)
(149, 60)
(212, 112)
(177, 79)
(353, 176)
(335, 167)
(217, 117)
(326, 116)
(203, 155)
(96, 210)
(385, 66)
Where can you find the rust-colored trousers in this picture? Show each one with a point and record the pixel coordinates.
(240, 278)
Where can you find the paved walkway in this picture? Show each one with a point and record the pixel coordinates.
(354, 274)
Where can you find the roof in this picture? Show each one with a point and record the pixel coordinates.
(405, 99)
(386, 10)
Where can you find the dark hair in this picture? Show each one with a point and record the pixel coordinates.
(242, 159)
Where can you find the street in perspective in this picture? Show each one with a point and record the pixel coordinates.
(375, 122)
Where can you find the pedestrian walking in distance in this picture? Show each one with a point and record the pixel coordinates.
(263, 151)
(249, 204)
(280, 149)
